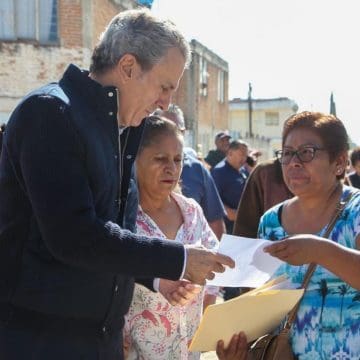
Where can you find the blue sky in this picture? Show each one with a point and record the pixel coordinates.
(302, 49)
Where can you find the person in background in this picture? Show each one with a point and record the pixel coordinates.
(196, 181)
(264, 188)
(68, 254)
(222, 142)
(230, 179)
(353, 178)
(251, 161)
(153, 328)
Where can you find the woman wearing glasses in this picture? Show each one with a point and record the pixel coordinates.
(313, 159)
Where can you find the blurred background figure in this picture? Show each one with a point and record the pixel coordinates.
(222, 142)
(264, 188)
(196, 181)
(153, 328)
(230, 178)
(353, 179)
(251, 160)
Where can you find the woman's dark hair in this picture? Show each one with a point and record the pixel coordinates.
(328, 127)
(355, 156)
(155, 127)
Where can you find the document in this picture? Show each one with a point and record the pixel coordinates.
(256, 313)
(253, 267)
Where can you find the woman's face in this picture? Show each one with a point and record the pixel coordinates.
(159, 165)
(313, 177)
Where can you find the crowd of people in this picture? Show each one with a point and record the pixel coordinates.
(109, 225)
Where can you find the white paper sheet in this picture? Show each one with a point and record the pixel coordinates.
(253, 267)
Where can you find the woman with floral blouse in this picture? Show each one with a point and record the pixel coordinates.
(154, 329)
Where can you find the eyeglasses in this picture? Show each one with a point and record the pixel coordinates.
(305, 154)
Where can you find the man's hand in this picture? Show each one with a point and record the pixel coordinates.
(202, 264)
(178, 292)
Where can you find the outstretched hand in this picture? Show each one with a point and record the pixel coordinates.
(202, 264)
(297, 249)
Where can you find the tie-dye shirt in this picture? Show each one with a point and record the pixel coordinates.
(328, 320)
(154, 328)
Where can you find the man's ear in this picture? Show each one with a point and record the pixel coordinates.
(126, 67)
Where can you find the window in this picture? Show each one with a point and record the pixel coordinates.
(203, 76)
(221, 86)
(29, 20)
(272, 118)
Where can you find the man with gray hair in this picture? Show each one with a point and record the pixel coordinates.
(68, 256)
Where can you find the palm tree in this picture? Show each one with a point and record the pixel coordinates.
(323, 292)
(343, 289)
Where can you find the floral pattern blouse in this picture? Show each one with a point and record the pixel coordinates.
(328, 320)
(154, 328)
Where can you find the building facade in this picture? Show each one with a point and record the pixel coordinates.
(39, 38)
(203, 96)
(264, 119)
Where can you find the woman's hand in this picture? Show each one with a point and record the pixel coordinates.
(178, 293)
(236, 350)
(297, 249)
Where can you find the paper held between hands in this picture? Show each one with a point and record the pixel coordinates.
(253, 267)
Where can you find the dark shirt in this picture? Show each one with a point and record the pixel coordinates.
(214, 157)
(264, 188)
(197, 183)
(65, 192)
(230, 184)
(354, 180)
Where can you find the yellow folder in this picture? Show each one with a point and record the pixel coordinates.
(256, 313)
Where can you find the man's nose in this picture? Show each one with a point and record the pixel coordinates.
(164, 101)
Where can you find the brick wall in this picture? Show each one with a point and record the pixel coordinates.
(25, 66)
(70, 23)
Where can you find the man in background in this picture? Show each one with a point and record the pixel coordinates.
(222, 142)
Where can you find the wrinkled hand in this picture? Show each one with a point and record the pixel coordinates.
(178, 293)
(236, 350)
(202, 264)
(298, 249)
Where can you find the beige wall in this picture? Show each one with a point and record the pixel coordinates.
(271, 134)
(204, 115)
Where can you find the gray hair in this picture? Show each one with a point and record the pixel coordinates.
(140, 33)
(175, 109)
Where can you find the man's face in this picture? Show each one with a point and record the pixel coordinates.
(238, 156)
(223, 144)
(145, 91)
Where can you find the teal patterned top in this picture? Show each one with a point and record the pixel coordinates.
(328, 321)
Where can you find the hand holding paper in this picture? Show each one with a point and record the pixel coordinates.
(253, 267)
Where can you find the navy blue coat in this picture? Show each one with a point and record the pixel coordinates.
(65, 201)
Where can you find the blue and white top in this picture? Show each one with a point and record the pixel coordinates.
(328, 320)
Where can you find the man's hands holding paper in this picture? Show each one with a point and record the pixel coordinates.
(202, 264)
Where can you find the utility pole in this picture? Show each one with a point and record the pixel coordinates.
(250, 110)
